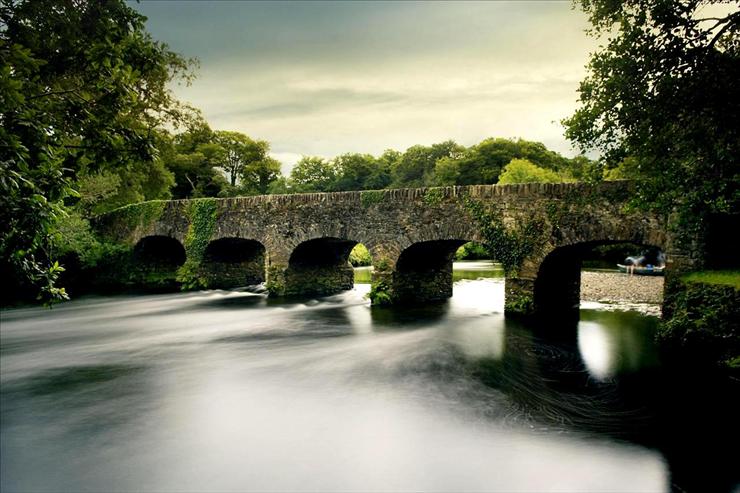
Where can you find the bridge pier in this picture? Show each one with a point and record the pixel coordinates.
(232, 262)
(518, 296)
(421, 273)
(315, 268)
(423, 286)
(285, 280)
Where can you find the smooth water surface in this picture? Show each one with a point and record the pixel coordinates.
(230, 391)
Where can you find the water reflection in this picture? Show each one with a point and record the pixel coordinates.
(616, 342)
(226, 390)
(466, 269)
(597, 349)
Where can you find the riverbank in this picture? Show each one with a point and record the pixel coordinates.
(702, 320)
(613, 287)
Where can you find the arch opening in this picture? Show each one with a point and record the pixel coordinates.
(156, 260)
(159, 252)
(362, 263)
(590, 271)
(473, 261)
(472, 250)
(321, 252)
(320, 266)
(424, 271)
(233, 262)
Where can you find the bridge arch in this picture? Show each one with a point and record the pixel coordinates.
(230, 262)
(557, 281)
(316, 266)
(423, 271)
(156, 259)
(159, 251)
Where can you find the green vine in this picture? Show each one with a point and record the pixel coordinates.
(382, 264)
(509, 246)
(433, 197)
(275, 281)
(371, 197)
(521, 304)
(143, 214)
(381, 289)
(202, 214)
(380, 294)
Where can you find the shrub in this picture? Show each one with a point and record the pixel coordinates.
(360, 256)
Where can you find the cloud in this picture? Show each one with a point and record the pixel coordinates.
(329, 77)
(287, 159)
(303, 102)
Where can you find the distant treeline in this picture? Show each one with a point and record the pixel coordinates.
(205, 163)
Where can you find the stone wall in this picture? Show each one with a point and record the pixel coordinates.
(225, 275)
(527, 226)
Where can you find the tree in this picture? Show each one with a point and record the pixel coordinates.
(195, 173)
(83, 87)
(482, 163)
(664, 91)
(194, 158)
(107, 189)
(415, 168)
(281, 186)
(240, 150)
(523, 171)
(359, 172)
(257, 175)
(479, 164)
(313, 174)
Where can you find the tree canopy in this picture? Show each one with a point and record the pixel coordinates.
(194, 158)
(415, 167)
(83, 87)
(663, 91)
(313, 174)
(523, 171)
(484, 162)
(445, 163)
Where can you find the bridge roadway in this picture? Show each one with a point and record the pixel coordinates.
(299, 244)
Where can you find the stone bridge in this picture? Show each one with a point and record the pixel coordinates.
(299, 244)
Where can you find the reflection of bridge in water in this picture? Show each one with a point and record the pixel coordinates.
(300, 243)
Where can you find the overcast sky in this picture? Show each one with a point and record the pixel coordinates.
(323, 78)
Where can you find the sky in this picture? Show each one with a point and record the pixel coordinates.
(325, 78)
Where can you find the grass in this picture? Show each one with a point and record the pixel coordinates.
(721, 277)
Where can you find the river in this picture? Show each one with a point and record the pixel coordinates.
(231, 391)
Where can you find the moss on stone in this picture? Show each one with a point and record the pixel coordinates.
(141, 215)
(202, 215)
(371, 197)
(510, 246)
(433, 196)
(380, 293)
(275, 284)
(519, 305)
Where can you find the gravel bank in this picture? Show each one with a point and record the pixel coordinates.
(612, 287)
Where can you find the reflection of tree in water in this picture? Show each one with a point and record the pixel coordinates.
(688, 415)
(613, 342)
